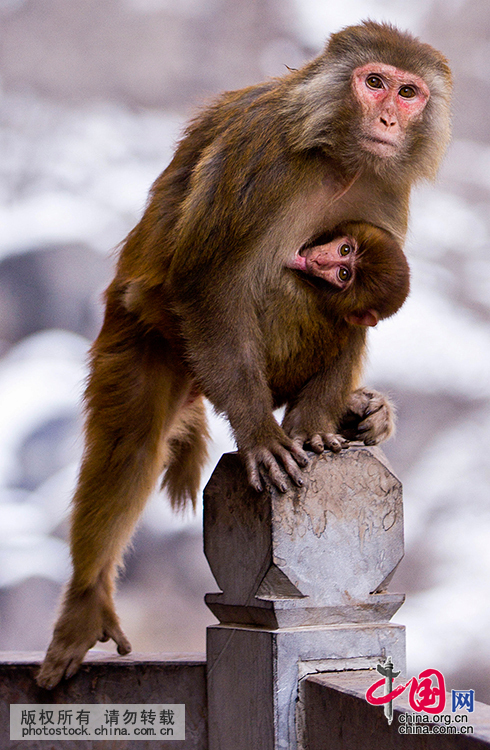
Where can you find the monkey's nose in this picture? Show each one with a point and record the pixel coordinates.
(322, 261)
(325, 266)
(388, 123)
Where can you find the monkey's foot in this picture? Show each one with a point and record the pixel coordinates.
(84, 620)
(369, 417)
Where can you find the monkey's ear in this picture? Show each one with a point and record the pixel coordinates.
(366, 318)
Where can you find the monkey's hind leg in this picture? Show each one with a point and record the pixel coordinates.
(135, 393)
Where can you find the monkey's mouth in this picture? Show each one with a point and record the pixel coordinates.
(379, 145)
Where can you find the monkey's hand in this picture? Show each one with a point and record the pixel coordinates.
(274, 456)
(369, 417)
(321, 441)
(310, 430)
(85, 619)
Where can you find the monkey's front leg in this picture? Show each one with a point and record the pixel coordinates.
(227, 358)
(369, 417)
(313, 418)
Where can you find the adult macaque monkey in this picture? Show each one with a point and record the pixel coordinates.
(202, 302)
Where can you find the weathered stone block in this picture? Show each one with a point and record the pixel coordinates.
(320, 554)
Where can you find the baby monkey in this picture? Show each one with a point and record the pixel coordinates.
(360, 268)
(361, 276)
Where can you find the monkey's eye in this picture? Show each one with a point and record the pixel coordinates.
(374, 82)
(408, 92)
(344, 249)
(343, 274)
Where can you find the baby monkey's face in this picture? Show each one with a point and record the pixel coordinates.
(333, 261)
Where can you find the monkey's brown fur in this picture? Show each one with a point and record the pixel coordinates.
(202, 304)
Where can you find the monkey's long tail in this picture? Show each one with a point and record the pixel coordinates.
(188, 454)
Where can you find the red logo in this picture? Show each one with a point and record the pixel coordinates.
(427, 692)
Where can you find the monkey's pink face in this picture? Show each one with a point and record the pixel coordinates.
(334, 261)
(391, 99)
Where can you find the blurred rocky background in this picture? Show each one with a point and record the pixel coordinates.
(93, 96)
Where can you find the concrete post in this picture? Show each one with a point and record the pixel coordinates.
(303, 580)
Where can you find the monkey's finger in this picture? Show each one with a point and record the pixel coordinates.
(297, 450)
(74, 665)
(122, 643)
(365, 402)
(253, 474)
(124, 647)
(299, 455)
(298, 443)
(335, 443)
(373, 409)
(62, 661)
(51, 673)
(375, 405)
(378, 427)
(316, 443)
(373, 402)
(375, 437)
(291, 467)
(274, 472)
